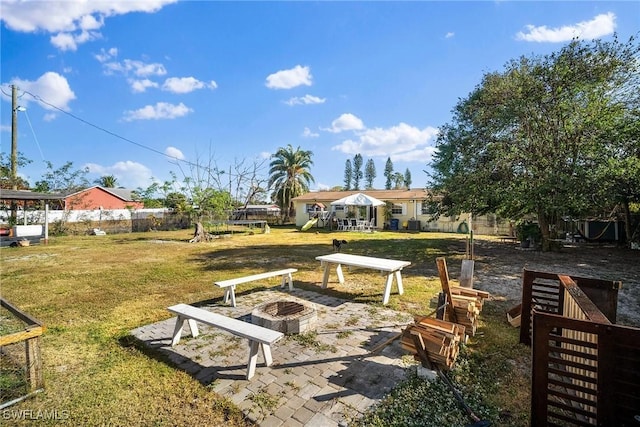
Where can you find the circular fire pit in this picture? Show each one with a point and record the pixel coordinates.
(288, 317)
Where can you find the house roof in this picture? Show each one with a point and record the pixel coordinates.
(121, 193)
(385, 195)
(258, 207)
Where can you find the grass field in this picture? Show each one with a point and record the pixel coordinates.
(91, 291)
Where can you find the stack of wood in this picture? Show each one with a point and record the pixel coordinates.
(463, 305)
(466, 311)
(467, 305)
(433, 341)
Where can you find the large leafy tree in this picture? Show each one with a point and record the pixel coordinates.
(289, 176)
(65, 179)
(6, 181)
(369, 174)
(620, 174)
(535, 138)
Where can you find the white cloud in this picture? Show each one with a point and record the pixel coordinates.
(51, 87)
(345, 122)
(128, 174)
(143, 69)
(449, 35)
(69, 41)
(64, 41)
(139, 69)
(265, 155)
(106, 55)
(401, 142)
(305, 100)
(322, 187)
(599, 26)
(72, 21)
(90, 22)
(186, 84)
(162, 110)
(308, 134)
(5, 128)
(287, 79)
(138, 86)
(131, 66)
(174, 153)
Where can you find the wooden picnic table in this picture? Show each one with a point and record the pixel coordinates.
(389, 267)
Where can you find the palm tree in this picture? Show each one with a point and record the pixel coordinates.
(107, 181)
(289, 176)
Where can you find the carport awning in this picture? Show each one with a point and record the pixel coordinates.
(28, 195)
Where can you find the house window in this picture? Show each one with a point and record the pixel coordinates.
(338, 208)
(429, 208)
(398, 209)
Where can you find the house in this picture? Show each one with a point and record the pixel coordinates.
(98, 197)
(409, 210)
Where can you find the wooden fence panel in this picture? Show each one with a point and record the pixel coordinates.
(542, 291)
(588, 374)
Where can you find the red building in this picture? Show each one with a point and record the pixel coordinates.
(98, 197)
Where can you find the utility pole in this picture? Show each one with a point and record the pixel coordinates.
(14, 149)
(14, 137)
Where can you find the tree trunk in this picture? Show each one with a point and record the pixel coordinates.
(547, 224)
(543, 223)
(627, 222)
(200, 235)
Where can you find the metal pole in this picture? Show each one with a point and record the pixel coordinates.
(46, 223)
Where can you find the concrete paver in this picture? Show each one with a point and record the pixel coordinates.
(321, 385)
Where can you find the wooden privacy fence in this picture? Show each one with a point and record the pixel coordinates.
(584, 373)
(542, 291)
(20, 359)
(585, 369)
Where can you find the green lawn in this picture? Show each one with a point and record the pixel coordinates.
(90, 291)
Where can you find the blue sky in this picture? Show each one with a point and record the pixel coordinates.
(129, 88)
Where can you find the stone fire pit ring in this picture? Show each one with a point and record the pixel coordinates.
(286, 316)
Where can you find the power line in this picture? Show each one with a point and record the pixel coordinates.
(100, 128)
(176, 160)
(34, 134)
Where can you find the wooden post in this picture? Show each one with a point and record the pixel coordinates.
(466, 273)
(450, 314)
(34, 363)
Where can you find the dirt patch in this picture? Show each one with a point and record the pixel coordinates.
(499, 266)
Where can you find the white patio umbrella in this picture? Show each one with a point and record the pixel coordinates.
(358, 199)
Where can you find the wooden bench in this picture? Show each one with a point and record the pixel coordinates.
(258, 336)
(230, 284)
